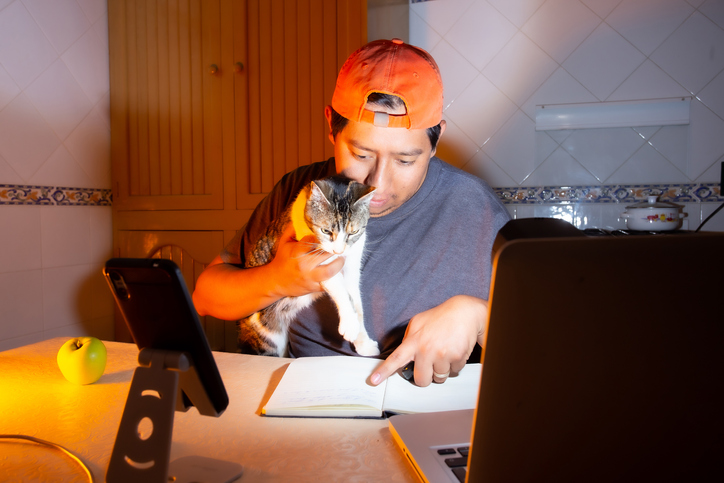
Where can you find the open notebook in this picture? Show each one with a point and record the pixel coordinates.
(604, 361)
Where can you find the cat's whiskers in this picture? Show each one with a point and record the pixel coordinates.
(369, 251)
(315, 250)
(318, 253)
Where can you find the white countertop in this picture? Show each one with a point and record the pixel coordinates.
(36, 400)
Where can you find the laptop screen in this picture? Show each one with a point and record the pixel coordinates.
(604, 361)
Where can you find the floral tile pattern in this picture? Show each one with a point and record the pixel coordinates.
(11, 194)
(676, 193)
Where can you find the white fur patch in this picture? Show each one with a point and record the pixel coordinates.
(279, 339)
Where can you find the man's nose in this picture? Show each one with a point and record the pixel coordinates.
(376, 175)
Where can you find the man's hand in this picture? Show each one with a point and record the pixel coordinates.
(298, 265)
(439, 340)
(228, 292)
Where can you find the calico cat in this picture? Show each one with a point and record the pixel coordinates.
(336, 211)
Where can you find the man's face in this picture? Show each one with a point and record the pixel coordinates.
(393, 160)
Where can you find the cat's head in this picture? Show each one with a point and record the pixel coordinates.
(337, 212)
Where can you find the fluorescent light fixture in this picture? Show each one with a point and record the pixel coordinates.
(649, 112)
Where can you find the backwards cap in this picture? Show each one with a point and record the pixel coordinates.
(390, 67)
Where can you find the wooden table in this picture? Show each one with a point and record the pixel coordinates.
(36, 400)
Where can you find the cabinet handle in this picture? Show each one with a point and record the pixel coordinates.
(213, 69)
(238, 67)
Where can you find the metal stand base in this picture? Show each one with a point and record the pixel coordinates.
(142, 448)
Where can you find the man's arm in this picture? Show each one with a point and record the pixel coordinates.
(439, 340)
(228, 292)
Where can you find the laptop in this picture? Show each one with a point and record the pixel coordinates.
(604, 361)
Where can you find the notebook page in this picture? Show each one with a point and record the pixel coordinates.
(459, 392)
(325, 382)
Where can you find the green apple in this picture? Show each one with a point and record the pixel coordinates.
(82, 360)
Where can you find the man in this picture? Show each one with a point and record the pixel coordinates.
(426, 276)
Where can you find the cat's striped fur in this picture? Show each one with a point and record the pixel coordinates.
(336, 211)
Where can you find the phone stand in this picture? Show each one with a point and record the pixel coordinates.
(164, 382)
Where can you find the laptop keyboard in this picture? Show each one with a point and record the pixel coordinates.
(457, 460)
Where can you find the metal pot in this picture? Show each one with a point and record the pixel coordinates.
(653, 215)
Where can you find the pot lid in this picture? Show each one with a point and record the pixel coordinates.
(652, 202)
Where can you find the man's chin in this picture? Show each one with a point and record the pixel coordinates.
(381, 211)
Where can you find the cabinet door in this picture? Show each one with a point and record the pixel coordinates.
(166, 136)
(293, 50)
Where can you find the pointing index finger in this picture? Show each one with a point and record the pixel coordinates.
(401, 356)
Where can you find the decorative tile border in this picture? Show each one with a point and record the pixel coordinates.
(676, 193)
(13, 194)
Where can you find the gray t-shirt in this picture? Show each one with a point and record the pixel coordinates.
(436, 245)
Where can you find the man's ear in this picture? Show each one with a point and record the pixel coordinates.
(328, 115)
(443, 125)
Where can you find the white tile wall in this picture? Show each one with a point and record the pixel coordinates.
(501, 58)
(54, 131)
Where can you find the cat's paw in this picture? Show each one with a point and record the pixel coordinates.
(367, 347)
(349, 328)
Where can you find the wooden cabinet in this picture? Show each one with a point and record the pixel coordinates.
(212, 101)
(166, 125)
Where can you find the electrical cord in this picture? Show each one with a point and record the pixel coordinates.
(52, 446)
(710, 216)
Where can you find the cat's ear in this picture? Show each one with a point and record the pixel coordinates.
(366, 196)
(316, 193)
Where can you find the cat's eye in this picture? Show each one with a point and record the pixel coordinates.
(326, 232)
(354, 232)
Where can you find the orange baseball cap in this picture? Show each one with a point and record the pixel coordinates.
(390, 67)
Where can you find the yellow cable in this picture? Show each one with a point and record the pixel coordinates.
(53, 446)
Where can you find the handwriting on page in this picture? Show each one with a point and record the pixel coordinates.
(310, 382)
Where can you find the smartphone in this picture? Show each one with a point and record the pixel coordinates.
(157, 308)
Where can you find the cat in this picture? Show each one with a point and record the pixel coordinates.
(336, 211)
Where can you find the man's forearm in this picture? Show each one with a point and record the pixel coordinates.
(230, 293)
